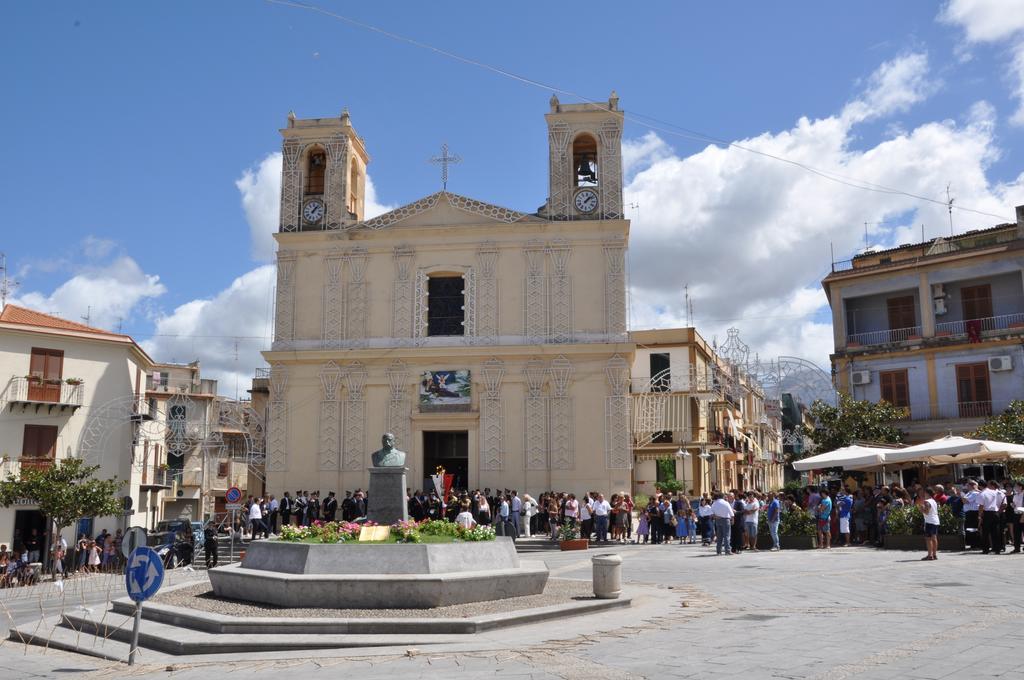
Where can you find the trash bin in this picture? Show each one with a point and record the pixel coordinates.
(607, 576)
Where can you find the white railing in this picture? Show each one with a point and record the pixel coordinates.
(947, 410)
(883, 337)
(46, 392)
(990, 323)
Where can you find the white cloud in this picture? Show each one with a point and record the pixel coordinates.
(108, 293)
(996, 22)
(260, 187)
(751, 235)
(1017, 75)
(985, 20)
(894, 87)
(207, 329)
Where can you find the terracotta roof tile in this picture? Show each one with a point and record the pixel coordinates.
(30, 317)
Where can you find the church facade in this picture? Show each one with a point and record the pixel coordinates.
(491, 342)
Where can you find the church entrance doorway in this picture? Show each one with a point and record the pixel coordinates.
(449, 450)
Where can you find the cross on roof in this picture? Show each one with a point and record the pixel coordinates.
(444, 160)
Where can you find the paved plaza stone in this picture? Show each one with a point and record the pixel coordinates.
(844, 613)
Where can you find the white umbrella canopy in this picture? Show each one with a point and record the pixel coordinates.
(955, 449)
(853, 456)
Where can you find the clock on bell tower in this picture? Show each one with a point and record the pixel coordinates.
(323, 179)
(585, 161)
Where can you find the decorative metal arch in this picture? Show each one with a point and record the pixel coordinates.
(132, 416)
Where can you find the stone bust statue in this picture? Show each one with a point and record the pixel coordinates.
(388, 455)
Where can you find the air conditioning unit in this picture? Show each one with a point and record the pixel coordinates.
(1000, 363)
(861, 377)
(938, 290)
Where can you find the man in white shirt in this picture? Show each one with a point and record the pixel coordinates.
(723, 513)
(256, 519)
(601, 509)
(930, 510)
(465, 518)
(586, 516)
(1017, 503)
(751, 513)
(517, 509)
(990, 503)
(972, 523)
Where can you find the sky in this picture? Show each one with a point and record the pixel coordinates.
(141, 178)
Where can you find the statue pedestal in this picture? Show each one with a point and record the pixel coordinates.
(387, 504)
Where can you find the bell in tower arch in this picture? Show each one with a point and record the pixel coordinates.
(584, 160)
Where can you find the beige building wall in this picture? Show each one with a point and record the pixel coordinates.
(545, 335)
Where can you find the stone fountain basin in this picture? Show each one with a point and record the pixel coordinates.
(378, 576)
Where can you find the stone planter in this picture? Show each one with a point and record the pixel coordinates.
(798, 542)
(574, 544)
(947, 542)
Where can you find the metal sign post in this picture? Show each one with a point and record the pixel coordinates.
(233, 502)
(143, 576)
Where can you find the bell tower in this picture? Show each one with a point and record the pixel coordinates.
(323, 175)
(585, 161)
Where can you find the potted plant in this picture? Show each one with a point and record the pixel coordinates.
(569, 537)
(73, 381)
(798, 530)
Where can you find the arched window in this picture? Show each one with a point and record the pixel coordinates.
(316, 168)
(584, 160)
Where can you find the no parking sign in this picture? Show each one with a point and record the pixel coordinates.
(233, 498)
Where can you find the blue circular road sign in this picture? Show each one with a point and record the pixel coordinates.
(144, 573)
(233, 495)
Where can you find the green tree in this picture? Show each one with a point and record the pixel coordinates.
(64, 491)
(851, 421)
(1008, 427)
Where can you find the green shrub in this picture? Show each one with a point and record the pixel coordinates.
(798, 522)
(439, 527)
(908, 520)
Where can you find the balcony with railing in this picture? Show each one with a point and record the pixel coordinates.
(14, 466)
(157, 478)
(975, 327)
(953, 410)
(203, 387)
(883, 337)
(53, 395)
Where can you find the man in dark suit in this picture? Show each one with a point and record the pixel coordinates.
(359, 504)
(285, 508)
(346, 507)
(330, 507)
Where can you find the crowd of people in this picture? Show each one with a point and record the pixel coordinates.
(22, 564)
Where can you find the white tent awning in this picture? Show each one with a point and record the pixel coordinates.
(953, 449)
(846, 457)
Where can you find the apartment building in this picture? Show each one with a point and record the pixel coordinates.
(699, 418)
(200, 444)
(67, 390)
(935, 328)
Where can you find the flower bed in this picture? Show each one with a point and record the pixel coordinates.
(427, 531)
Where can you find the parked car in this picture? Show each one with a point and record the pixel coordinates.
(176, 525)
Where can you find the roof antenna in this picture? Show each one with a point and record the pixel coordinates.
(949, 206)
(88, 315)
(7, 285)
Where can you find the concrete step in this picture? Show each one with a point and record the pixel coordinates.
(51, 634)
(178, 641)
